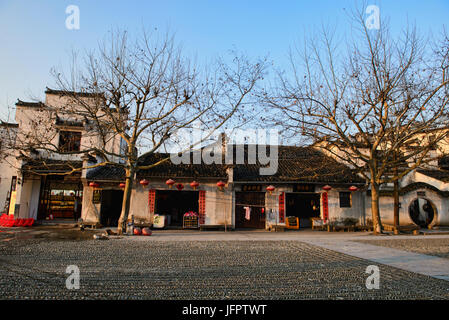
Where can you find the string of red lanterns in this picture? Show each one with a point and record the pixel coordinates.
(194, 184)
(351, 188)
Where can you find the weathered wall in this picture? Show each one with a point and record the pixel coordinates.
(8, 167)
(272, 206)
(386, 203)
(28, 198)
(355, 211)
(6, 174)
(387, 207)
(90, 212)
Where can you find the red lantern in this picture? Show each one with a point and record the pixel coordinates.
(327, 187)
(220, 184)
(137, 231)
(144, 182)
(194, 185)
(179, 186)
(353, 188)
(94, 185)
(270, 188)
(146, 231)
(122, 185)
(170, 183)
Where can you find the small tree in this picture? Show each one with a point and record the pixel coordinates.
(366, 103)
(144, 92)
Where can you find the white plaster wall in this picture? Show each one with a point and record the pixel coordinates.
(356, 210)
(218, 206)
(272, 203)
(8, 164)
(90, 212)
(6, 174)
(39, 123)
(28, 198)
(34, 200)
(386, 205)
(139, 206)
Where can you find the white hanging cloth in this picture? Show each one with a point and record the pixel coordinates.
(247, 213)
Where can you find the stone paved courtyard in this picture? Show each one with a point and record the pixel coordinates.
(434, 247)
(129, 269)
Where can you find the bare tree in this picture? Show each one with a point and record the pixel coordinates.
(366, 103)
(144, 92)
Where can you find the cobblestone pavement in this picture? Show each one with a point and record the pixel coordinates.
(127, 269)
(433, 247)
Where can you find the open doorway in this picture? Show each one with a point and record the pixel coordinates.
(422, 212)
(303, 206)
(174, 204)
(111, 207)
(250, 210)
(60, 197)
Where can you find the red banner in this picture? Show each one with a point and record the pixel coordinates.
(151, 200)
(325, 207)
(202, 206)
(282, 207)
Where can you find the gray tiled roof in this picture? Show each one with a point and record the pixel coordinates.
(295, 164)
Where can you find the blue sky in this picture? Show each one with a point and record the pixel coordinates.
(34, 38)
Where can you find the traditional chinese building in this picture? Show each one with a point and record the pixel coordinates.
(40, 183)
(232, 195)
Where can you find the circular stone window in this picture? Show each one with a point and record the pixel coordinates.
(422, 212)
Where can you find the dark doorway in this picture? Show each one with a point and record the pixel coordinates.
(422, 212)
(254, 202)
(174, 204)
(303, 206)
(111, 207)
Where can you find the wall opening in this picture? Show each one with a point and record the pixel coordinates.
(250, 210)
(174, 204)
(303, 206)
(422, 212)
(111, 207)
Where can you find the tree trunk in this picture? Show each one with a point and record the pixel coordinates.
(377, 224)
(126, 200)
(396, 206)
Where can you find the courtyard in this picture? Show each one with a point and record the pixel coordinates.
(207, 265)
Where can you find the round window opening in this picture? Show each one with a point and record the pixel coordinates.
(422, 212)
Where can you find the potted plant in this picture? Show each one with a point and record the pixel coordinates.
(190, 220)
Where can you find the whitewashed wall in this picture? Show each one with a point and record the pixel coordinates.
(6, 173)
(90, 211)
(387, 208)
(272, 205)
(356, 210)
(386, 203)
(28, 198)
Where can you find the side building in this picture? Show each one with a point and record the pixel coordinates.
(44, 173)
